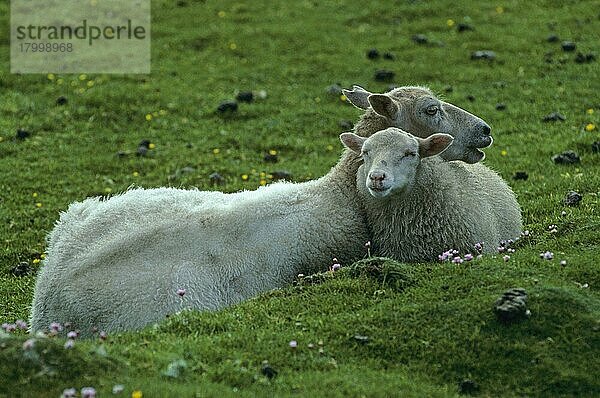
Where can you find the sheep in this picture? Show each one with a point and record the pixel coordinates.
(419, 205)
(418, 111)
(116, 264)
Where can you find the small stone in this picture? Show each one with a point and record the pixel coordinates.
(281, 175)
(468, 387)
(261, 94)
(145, 144)
(464, 27)
(500, 106)
(228, 106)
(471, 98)
(21, 269)
(346, 124)
(373, 53)
(142, 150)
(62, 100)
(596, 146)
(554, 117)
(270, 158)
(420, 39)
(334, 90)
(483, 54)
(389, 56)
(553, 38)
(566, 157)
(245, 96)
(520, 175)
(568, 46)
(511, 306)
(22, 134)
(383, 75)
(584, 58)
(572, 199)
(216, 179)
(361, 339)
(268, 371)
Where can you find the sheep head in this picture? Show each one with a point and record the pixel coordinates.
(418, 111)
(391, 158)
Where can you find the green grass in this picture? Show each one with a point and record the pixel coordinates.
(429, 326)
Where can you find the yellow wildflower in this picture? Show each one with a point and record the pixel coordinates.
(590, 111)
(499, 9)
(136, 394)
(216, 151)
(90, 83)
(504, 152)
(50, 76)
(232, 46)
(450, 23)
(136, 174)
(244, 177)
(590, 127)
(263, 182)
(148, 117)
(82, 77)
(272, 152)
(36, 260)
(35, 194)
(38, 204)
(151, 145)
(221, 14)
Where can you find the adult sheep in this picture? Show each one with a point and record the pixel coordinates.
(117, 264)
(419, 205)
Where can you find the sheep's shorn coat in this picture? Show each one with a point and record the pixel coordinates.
(419, 206)
(117, 264)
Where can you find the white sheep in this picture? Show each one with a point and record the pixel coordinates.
(117, 264)
(419, 206)
(418, 111)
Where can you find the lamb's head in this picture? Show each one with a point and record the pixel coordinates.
(391, 158)
(418, 111)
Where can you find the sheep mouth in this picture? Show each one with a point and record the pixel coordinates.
(484, 142)
(378, 191)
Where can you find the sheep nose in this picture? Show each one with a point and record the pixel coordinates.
(377, 176)
(486, 129)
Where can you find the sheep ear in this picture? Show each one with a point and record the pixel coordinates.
(352, 141)
(434, 144)
(358, 97)
(383, 105)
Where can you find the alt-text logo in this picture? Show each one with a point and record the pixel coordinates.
(80, 36)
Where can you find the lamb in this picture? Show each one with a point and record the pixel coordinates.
(419, 205)
(418, 111)
(116, 264)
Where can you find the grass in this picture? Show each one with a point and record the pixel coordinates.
(426, 327)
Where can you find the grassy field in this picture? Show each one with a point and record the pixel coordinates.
(376, 328)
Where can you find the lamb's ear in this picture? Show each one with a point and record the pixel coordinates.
(383, 105)
(434, 144)
(352, 141)
(358, 97)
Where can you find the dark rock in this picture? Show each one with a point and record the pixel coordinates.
(334, 89)
(270, 158)
(62, 100)
(520, 175)
(468, 387)
(554, 117)
(21, 269)
(511, 306)
(584, 58)
(383, 75)
(471, 98)
(245, 96)
(596, 146)
(420, 39)
(281, 175)
(568, 46)
(464, 27)
(142, 150)
(573, 198)
(22, 134)
(566, 157)
(268, 371)
(552, 38)
(361, 339)
(373, 53)
(346, 124)
(216, 179)
(389, 56)
(500, 106)
(145, 144)
(228, 106)
(484, 54)
(448, 89)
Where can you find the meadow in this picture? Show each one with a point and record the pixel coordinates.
(375, 328)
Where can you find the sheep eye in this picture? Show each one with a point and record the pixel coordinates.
(365, 153)
(431, 110)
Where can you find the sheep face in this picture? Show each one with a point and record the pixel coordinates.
(391, 158)
(417, 110)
